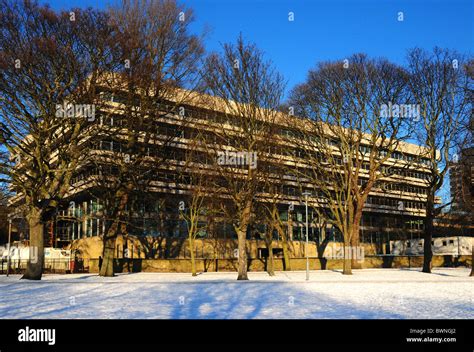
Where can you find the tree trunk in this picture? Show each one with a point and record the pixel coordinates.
(284, 238)
(284, 245)
(242, 240)
(108, 256)
(269, 243)
(428, 234)
(110, 237)
(286, 252)
(193, 259)
(427, 252)
(34, 269)
(321, 246)
(271, 265)
(355, 239)
(347, 269)
(242, 260)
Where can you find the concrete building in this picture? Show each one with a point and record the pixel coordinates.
(395, 212)
(462, 182)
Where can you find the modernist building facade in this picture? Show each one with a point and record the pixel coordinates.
(459, 220)
(395, 212)
(462, 181)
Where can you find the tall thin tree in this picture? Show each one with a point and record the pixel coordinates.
(439, 84)
(348, 137)
(248, 91)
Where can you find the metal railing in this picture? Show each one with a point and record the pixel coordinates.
(18, 266)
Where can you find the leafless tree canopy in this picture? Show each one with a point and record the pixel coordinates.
(348, 137)
(440, 85)
(46, 59)
(249, 90)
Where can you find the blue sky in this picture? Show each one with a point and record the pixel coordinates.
(328, 29)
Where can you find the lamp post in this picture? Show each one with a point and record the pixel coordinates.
(306, 194)
(9, 241)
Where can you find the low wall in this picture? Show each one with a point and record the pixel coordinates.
(212, 265)
(178, 248)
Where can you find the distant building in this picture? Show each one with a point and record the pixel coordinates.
(462, 182)
(459, 220)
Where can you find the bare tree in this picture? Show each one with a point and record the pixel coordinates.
(269, 207)
(4, 172)
(261, 217)
(248, 91)
(192, 212)
(49, 65)
(470, 132)
(197, 206)
(347, 137)
(439, 84)
(159, 59)
(465, 143)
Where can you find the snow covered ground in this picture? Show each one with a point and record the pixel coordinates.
(369, 293)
